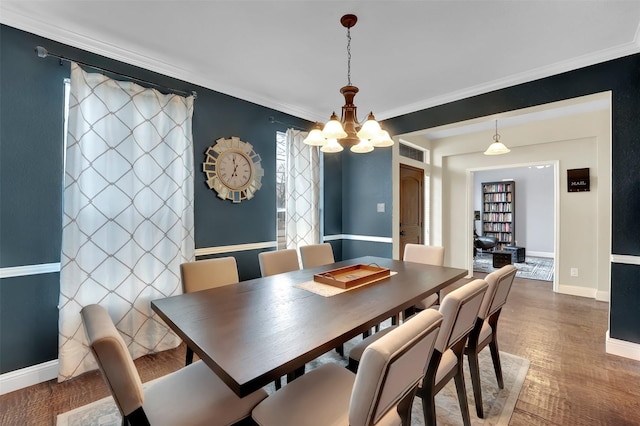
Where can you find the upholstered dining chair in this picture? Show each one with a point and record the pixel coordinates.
(193, 395)
(205, 274)
(459, 311)
(485, 331)
(208, 273)
(313, 255)
(381, 393)
(278, 262)
(429, 255)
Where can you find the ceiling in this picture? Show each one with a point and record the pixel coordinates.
(291, 55)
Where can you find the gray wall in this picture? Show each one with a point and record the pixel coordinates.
(534, 204)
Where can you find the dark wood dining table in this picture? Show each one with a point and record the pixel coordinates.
(256, 331)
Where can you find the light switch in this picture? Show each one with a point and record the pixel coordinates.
(380, 207)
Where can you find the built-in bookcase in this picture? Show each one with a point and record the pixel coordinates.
(498, 212)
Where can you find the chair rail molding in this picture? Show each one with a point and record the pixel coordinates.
(21, 271)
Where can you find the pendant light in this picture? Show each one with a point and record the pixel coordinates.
(497, 147)
(347, 131)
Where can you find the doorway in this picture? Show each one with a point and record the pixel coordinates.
(411, 206)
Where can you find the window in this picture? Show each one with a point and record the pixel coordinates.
(281, 190)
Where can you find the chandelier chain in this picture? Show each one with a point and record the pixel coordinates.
(349, 56)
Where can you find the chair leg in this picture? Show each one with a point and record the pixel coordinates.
(429, 408)
(340, 350)
(404, 407)
(495, 357)
(278, 383)
(189, 359)
(474, 369)
(295, 374)
(462, 395)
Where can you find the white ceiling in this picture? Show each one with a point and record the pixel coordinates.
(290, 55)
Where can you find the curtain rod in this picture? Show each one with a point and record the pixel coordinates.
(274, 121)
(43, 53)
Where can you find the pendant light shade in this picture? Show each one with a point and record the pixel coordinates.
(497, 147)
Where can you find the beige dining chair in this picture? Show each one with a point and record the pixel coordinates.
(278, 262)
(208, 273)
(205, 274)
(193, 395)
(459, 311)
(313, 255)
(485, 331)
(429, 255)
(381, 393)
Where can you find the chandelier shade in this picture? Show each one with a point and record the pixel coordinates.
(347, 131)
(496, 147)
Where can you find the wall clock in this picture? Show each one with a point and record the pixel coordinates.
(233, 169)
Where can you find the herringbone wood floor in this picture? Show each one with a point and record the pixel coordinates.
(571, 381)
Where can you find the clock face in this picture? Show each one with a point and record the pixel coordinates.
(233, 169)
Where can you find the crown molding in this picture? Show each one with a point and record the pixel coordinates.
(118, 52)
(129, 56)
(524, 77)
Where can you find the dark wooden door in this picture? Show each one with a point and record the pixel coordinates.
(411, 206)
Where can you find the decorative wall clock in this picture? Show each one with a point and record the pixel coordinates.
(233, 169)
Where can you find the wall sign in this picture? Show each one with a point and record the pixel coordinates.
(578, 180)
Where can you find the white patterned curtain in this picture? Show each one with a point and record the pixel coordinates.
(128, 212)
(303, 191)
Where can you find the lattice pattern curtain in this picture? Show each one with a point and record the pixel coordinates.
(128, 212)
(303, 191)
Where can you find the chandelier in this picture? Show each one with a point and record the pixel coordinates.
(496, 147)
(347, 131)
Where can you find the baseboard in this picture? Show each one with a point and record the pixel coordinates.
(622, 348)
(603, 296)
(577, 291)
(539, 254)
(28, 376)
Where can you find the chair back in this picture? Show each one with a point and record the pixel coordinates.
(391, 368)
(459, 310)
(113, 358)
(277, 262)
(499, 286)
(209, 273)
(316, 255)
(430, 255)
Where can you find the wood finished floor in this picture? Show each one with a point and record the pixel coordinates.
(571, 381)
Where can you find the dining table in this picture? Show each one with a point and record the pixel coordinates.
(253, 332)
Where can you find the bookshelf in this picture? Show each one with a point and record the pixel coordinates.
(498, 212)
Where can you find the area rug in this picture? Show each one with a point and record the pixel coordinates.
(533, 268)
(498, 403)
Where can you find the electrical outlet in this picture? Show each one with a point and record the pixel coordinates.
(574, 272)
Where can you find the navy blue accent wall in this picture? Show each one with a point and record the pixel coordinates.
(625, 280)
(333, 193)
(355, 248)
(28, 320)
(31, 162)
(622, 78)
(366, 181)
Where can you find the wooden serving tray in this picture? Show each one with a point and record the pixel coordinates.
(351, 276)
